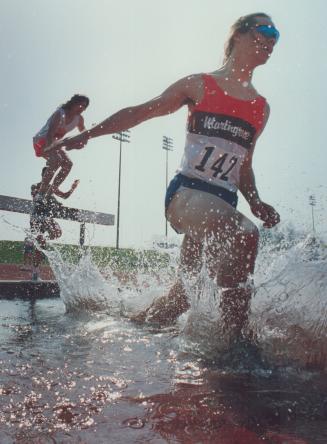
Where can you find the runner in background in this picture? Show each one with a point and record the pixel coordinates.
(65, 119)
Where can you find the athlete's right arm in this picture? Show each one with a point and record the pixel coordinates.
(173, 98)
(184, 91)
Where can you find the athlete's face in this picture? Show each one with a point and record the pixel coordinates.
(258, 43)
(264, 36)
(78, 108)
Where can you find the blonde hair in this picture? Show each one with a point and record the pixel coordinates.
(243, 25)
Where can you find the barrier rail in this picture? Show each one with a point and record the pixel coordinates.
(18, 205)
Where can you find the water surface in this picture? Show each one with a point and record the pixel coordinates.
(77, 370)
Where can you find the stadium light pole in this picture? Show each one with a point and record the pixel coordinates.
(313, 202)
(167, 145)
(123, 137)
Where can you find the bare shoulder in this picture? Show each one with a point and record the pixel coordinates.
(191, 86)
(193, 79)
(57, 115)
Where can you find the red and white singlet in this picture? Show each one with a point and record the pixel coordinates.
(39, 140)
(220, 131)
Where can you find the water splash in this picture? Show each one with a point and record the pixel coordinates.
(288, 311)
(288, 316)
(82, 286)
(85, 287)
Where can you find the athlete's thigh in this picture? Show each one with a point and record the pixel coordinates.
(201, 215)
(63, 156)
(56, 158)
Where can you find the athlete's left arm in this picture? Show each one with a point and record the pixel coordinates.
(81, 126)
(248, 188)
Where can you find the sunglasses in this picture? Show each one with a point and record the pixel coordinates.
(268, 31)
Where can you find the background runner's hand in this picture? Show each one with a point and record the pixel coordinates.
(76, 142)
(266, 213)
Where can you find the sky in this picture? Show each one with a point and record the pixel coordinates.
(124, 53)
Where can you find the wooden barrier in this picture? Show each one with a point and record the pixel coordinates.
(18, 205)
(46, 289)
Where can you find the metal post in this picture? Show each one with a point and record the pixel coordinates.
(82, 234)
(167, 145)
(166, 230)
(118, 199)
(123, 136)
(313, 202)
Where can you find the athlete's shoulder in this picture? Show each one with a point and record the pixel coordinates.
(192, 86)
(193, 78)
(58, 115)
(58, 112)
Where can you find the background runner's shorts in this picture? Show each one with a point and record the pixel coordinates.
(38, 145)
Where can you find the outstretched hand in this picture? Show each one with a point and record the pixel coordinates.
(266, 213)
(76, 142)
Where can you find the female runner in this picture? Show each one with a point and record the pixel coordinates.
(226, 116)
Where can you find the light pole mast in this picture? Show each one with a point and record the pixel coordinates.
(123, 136)
(167, 145)
(313, 202)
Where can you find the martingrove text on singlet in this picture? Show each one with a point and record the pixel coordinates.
(219, 125)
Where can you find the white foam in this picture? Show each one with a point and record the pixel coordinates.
(288, 311)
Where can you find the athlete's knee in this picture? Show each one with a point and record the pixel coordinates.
(247, 239)
(67, 165)
(235, 278)
(53, 163)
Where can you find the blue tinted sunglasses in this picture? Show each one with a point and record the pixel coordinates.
(268, 31)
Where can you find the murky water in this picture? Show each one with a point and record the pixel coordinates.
(76, 370)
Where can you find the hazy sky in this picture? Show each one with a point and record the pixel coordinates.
(124, 53)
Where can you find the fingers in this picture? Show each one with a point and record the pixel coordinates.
(267, 214)
(271, 220)
(74, 143)
(75, 146)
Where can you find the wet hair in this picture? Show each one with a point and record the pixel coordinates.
(75, 100)
(243, 25)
